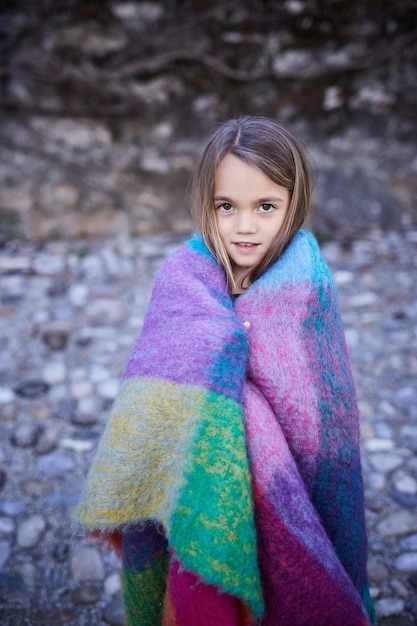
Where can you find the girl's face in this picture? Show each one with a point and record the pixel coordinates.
(250, 210)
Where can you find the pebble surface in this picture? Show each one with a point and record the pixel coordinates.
(70, 312)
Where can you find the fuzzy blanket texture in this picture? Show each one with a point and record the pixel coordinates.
(230, 463)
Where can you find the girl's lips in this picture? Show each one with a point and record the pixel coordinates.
(245, 246)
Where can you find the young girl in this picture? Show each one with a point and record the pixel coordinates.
(229, 469)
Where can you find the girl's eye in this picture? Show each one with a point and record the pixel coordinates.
(266, 208)
(225, 207)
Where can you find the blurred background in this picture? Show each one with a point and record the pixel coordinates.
(104, 106)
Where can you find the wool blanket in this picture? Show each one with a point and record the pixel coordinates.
(230, 463)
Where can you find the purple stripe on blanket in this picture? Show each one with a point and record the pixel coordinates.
(210, 337)
(309, 595)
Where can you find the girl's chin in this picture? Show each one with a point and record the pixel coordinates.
(239, 271)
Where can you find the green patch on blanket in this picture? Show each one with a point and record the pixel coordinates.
(212, 527)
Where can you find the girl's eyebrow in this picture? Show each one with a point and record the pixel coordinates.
(271, 199)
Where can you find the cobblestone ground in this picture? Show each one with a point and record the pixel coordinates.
(70, 312)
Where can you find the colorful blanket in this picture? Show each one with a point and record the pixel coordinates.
(231, 458)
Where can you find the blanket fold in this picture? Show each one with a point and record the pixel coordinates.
(231, 456)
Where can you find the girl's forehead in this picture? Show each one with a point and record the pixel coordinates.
(235, 176)
(232, 166)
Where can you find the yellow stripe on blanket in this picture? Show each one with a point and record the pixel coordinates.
(157, 421)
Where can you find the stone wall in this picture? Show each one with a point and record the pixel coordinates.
(105, 105)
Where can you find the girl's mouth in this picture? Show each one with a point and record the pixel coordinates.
(246, 246)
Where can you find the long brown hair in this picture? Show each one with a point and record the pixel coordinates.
(262, 143)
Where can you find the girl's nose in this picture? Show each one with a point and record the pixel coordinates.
(246, 222)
